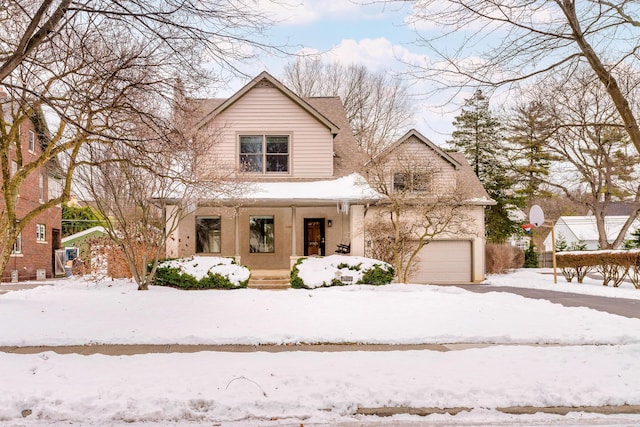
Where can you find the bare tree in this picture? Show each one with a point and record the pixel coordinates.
(377, 105)
(419, 207)
(502, 42)
(595, 163)
(89, 67)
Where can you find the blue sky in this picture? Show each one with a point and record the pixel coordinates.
(342, 30)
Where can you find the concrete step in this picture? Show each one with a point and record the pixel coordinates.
(269, 279)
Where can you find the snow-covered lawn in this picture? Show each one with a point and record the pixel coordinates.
(596, 365)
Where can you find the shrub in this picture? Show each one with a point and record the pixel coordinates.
(531, 257)
(296, 281)
(378, 275)
(202, 273)
(310, 273)
(501, 257)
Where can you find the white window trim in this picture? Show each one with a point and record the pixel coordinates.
(41, 233)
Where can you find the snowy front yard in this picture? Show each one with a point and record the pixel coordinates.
(597, 363)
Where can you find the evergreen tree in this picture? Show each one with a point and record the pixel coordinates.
(77, 218)
(478, 135)
(531, 257)
(529, 129)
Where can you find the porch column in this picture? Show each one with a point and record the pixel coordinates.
(172, 245)
(236, 226)
(356, 229)
(294, 251)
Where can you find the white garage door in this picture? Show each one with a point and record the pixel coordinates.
(444, 261)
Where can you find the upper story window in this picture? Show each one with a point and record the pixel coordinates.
(411, 181)
(41, 186)
(14, 167)
(32, 141)
(264, 153)
(41, 233)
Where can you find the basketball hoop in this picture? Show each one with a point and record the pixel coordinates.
(527, 228)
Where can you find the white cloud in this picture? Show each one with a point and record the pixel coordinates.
(375, 54)
(296, 12)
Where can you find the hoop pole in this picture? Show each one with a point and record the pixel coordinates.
(553, 251)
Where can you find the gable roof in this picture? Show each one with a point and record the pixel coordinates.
(347, 158)
(265, 78)
(584, 227)
(423, 139)
(477, 193)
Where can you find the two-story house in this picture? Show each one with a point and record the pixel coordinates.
(296, 159)
(33, 254)
(304, 192)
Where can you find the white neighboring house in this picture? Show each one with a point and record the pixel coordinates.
(583, 229)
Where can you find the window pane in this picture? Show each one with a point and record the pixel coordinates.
(399, 181)
(251, 162)
(207, 234)
(251, 156)
(250, 144)
(277, 154)
(420, 181)
(32, 141)
(261, 234)
(277, 144)
(277, 163)
(17, 246)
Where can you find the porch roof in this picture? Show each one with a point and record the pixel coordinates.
(347, 189)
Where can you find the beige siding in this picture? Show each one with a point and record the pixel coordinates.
(413, 155)
(266, 110)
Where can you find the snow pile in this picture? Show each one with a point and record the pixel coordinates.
(200, 266)
(542, 278)
(317, 272)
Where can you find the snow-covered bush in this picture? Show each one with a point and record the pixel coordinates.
(199, 272)
(339, 270)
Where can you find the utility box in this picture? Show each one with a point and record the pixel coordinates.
(14, 276)
(41, 274)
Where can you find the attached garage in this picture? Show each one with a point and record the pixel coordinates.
(445, 261)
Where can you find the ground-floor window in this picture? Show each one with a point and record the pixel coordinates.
(208, 234)
(261, 234)
(17, 246)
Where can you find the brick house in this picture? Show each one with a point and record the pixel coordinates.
(33, 253)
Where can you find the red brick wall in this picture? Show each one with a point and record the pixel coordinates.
(35, 255)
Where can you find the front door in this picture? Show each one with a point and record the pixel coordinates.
(314, 236)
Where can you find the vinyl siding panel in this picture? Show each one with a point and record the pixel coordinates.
(413, 155)
(266, 110)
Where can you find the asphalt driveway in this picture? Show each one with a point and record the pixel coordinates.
(620, 306)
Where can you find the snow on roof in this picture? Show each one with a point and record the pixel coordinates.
(584, 227)
(350, 188)
(98, 228)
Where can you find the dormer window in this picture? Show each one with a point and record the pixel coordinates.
(264, 153)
